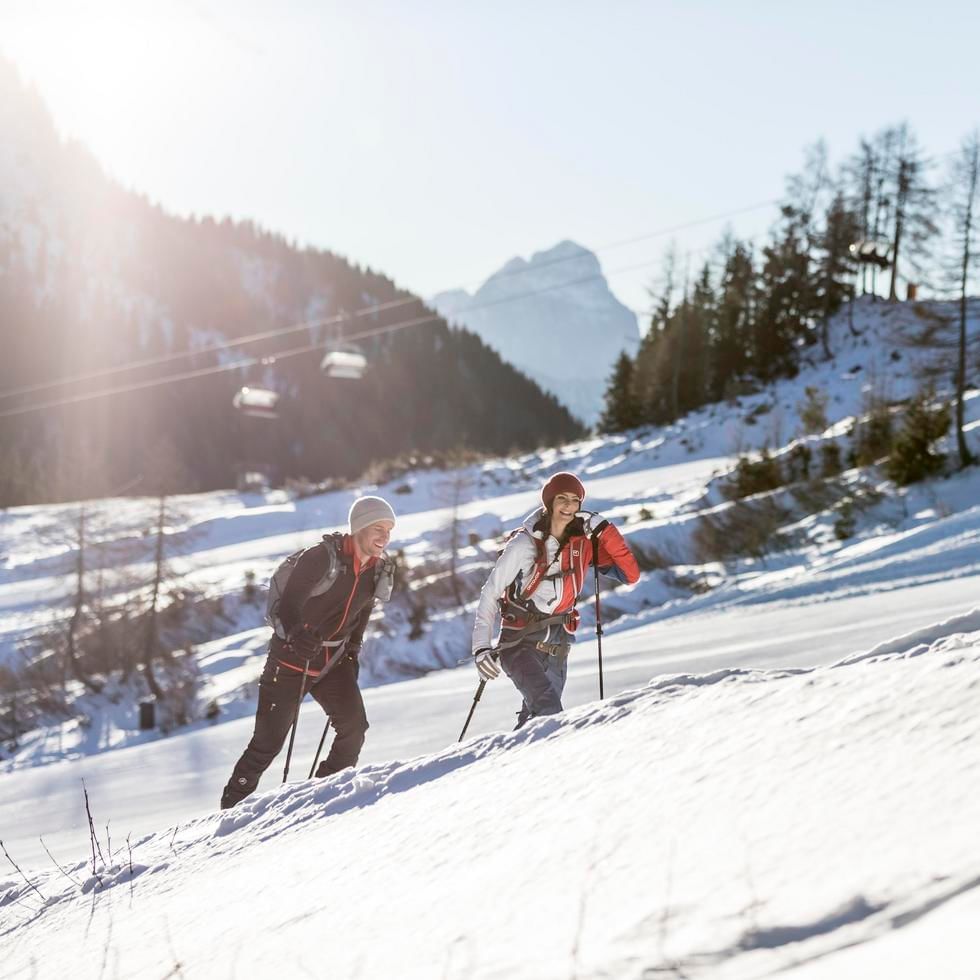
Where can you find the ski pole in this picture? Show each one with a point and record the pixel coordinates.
(292, 733)
(598, 610)
(479, 694)
(319, 748)
(330, 664)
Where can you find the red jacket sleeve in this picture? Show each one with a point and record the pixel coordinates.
(615, 557)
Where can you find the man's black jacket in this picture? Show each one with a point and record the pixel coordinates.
(341, 613)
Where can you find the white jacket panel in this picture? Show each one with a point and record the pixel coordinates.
(517, 557)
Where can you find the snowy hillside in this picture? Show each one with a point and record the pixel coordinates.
(740, 823)
(780, 779)
(554, 317)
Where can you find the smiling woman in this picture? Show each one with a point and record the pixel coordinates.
(535, 585)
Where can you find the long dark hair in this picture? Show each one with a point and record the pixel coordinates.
(573, 527)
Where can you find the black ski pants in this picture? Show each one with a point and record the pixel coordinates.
(279, 688)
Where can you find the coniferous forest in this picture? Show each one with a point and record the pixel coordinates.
(890, 222)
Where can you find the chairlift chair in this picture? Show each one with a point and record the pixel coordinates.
(871, 253)
(257, 402)
(344, 362)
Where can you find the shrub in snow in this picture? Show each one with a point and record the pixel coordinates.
(798, 461)
(650, 558)
(860, 498)
(743, 530)
(872, 431)
(753, 476)
(417, 618)
(872, 437)
(913, 457)
(814, 496)
(812, 410)
(846, 523)
(251, 590)
(830, 459)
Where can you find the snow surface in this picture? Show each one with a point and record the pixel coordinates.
(737, 823)
(782, 778)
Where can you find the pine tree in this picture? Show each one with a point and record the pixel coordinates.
(733, 319)
(621, 410)
(699, 326)
(647, 386)
(913, 457)
(834, 265)
(786, 299)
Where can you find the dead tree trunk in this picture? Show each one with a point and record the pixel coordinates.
(151, 640)
(74, 624)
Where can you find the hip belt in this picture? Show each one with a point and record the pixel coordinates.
(552, 649)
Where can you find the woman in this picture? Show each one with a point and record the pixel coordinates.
(535, 585)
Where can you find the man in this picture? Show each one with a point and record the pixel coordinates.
(322, 612)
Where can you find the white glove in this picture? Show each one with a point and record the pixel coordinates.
(592, 522)
(486, 663)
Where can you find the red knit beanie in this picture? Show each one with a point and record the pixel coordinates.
(562, 483)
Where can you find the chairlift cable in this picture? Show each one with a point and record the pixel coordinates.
(251, 361)
(339, 318)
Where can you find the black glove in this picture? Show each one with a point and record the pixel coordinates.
(304, 643)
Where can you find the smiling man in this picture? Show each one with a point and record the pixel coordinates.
(535, 585)
(320, 603)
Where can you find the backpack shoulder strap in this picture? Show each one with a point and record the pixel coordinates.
(384, 577)
(540, 565)
(331, 545)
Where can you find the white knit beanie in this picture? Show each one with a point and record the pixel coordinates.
(366, 510)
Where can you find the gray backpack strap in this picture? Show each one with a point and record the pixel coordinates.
(332, 570)
(384, 580)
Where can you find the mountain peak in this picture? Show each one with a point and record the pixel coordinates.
(559, 295)
(564, 249)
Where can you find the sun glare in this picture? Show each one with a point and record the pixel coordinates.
(110, 72)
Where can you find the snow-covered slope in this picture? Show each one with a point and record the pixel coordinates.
(737, 807)
(735, 824)
(658, 484)
(554, 317)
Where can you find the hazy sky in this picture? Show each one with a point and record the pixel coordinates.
(435, 140)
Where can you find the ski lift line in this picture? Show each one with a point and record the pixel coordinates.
(390, 304)
(247, 362)
(304, 349)
(381, 307)
(332, 320)
(338, 318)
(203, 372)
